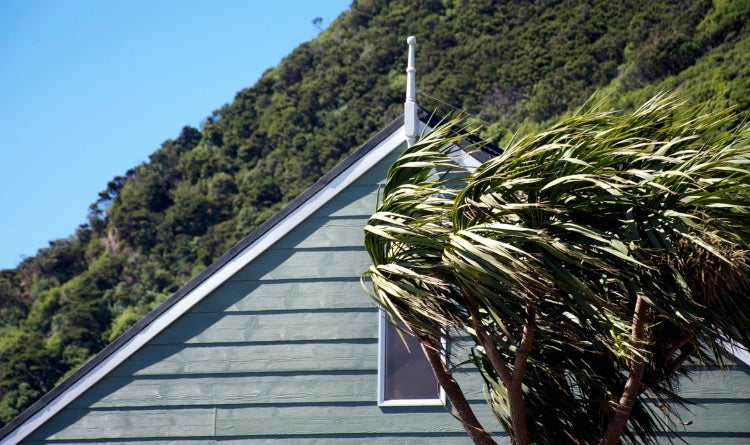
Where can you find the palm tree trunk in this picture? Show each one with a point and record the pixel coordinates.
(512, 382)
(515, 391)
(633, 384)
(463, 410)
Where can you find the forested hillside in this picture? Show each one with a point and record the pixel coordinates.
(513, 65)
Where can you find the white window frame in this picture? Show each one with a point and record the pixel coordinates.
(469, 162)
(438, 401)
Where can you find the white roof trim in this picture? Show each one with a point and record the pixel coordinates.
(411, 119)
(260, 245)
(737, 351)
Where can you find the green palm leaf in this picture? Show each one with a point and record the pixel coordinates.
(617, 244)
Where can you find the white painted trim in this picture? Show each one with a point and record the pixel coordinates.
(343, 180)
(414, 402)
(411, 121)
(440, 401)
(737, 351)
(465, 160)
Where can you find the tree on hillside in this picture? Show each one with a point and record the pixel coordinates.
(588, 264)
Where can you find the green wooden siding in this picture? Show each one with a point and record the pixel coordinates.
(286, 351)
(243, 327)
(160, 360)
(347, 439)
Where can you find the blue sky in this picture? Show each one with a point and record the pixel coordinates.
(90, 88)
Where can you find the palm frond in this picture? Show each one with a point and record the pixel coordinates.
(577, 222)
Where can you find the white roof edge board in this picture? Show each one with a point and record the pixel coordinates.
(737, 351)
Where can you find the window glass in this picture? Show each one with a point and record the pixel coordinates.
(406, 373)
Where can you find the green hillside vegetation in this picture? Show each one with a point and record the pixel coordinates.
(515, 66)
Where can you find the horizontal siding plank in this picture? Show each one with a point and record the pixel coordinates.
(244, 389)
(356, 200)
(717, 416)
(472, 385)
(709, 385)
(241, 358)
(733, 383)
(231, 390)
(703, 391)
(285, 264)
(326, 420)
(711, 439)
(325, 232)
(459, 438)
(79, 424)
(265, 327)
(724, 418)
(288, 295)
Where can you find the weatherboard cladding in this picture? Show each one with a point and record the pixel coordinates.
(286, 350)
(201, 278)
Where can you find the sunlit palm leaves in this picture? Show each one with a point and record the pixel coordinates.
(563, 234)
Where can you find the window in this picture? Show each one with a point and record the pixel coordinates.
(405, 376)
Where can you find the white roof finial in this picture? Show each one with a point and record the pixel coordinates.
(410, 106)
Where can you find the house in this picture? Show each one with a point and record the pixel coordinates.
(277, 342)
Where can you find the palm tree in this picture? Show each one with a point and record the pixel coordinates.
(588, 264)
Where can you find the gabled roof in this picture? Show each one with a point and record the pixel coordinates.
(330, 184)
(237, 257)
(260, 239)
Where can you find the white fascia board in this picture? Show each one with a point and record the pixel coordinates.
(343, 180)
(466, 160)
(737, 351)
